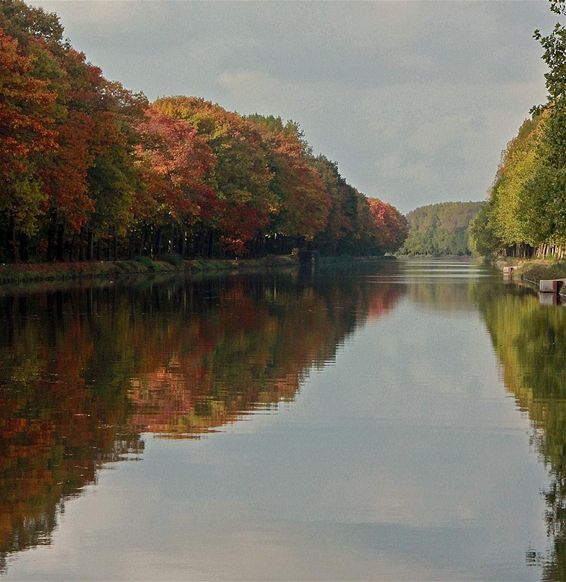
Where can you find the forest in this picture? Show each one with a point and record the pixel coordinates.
(525, 214)
(440, 229)
(90, 170)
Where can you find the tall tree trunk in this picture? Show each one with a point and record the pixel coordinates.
(61, 242)
(72, 247)
(142, 240)
(158, 241)
(90, 246)
(24, 247)
(51, 232)
(13, 246)
(81, 251)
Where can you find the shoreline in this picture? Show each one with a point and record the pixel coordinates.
(534, 270)
(24, 273)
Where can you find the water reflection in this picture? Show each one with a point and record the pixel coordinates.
(410, 461)
(528, 334)
(530, 341)
(85, 371)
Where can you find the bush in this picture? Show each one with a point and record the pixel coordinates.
(173, 259)
(146, 262)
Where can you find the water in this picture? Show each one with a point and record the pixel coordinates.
(400, 420)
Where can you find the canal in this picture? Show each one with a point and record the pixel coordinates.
(393, 420)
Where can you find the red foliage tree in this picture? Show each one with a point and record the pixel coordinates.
(390, 225)
(176, 162)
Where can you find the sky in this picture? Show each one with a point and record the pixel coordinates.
(414, 100)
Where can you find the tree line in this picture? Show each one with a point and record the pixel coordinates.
(440, 229)
(90, 170)
(525, 214)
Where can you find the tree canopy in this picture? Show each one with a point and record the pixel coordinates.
(90, 170)
(440, 229)
(526, 210)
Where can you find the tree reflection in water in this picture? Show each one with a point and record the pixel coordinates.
(85, 371)
(530, 341)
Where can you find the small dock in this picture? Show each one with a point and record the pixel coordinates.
(553, 286)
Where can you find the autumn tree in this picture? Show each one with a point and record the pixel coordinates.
(26, 119)
(241, 177)
(89, 170)
(303, 201)
(391, 227)
(175, 164)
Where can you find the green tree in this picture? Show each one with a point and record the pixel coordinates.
(440, 229)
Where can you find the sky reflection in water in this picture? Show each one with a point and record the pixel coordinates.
(387, 422)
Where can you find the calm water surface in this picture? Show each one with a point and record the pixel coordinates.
(403, 420)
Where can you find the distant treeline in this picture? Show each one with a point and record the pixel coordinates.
(526, 210)
(90, 170)
(440, 229)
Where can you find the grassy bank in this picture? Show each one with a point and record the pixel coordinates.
(533, 270)
(33, 272)
(21, 273)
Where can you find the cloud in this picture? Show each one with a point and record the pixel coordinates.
(414, 100)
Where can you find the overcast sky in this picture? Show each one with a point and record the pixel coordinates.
(413, 100)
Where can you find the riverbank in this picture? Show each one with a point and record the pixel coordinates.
(534, 270)
(21, 273)
(35, 272)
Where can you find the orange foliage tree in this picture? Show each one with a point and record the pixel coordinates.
(391, 227)
(175, 164)
(89, 170)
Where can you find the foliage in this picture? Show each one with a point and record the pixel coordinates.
(527, 202)
(482, 231)
(26, 119)
(90, 170)
(390, 226)
(440, 229)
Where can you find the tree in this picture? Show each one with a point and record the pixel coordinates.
(440, 229)
(340, 225)
(175, 163)
(89, 170)
(303, 201)
(391, 227)
(240, 177)
(26, 110)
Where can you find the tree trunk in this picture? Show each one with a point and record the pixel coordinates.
(142, 241)
(61, 242)
(90, 246)
(158, 241)
(72, 247)
(24, 247)
(13, 246)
